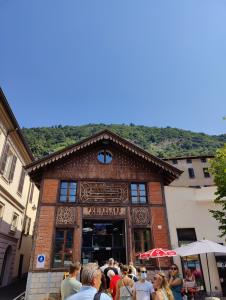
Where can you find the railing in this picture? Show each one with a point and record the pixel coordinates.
(20, 297)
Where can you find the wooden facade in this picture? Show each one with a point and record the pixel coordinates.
(103, 202)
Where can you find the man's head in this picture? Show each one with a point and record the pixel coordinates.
(91, 275)
(110, 273)
(74, 269)
(143, 273)
(111, 262)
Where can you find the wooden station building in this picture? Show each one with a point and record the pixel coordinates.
(102, 197)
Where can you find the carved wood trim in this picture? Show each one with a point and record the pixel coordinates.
(104, 192)
(140, 216)
(65, 215)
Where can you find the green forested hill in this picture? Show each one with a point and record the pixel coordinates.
(163, 142)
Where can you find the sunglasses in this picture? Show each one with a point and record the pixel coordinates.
(173, 269)
(143, 271)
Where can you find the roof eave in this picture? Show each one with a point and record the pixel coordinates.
(15, 123)
(105, 134)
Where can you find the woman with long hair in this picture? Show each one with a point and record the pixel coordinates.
(163, 291)
(124, 290)
(175, 282)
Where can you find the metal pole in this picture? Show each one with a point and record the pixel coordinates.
(209, 274)
(159, 264)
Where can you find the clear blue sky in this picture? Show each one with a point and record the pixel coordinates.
(150, 62)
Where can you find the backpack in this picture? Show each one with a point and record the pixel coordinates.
(97, 296)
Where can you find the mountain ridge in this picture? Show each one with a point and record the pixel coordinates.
(165, 142)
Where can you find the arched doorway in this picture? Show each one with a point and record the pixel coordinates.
(6, 266)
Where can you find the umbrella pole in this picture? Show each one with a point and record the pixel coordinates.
(209, 275)
(159, 264)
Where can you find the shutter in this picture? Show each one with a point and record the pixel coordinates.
(21, 183)
(28, 226)
(4, 158)
(12, 169)
(31, 193)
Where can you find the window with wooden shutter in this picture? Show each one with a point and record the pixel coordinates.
(4, 158)
(2, 206)
(12, 168)
(21, 183)
(14, 222)
(27, 225)
(31, 192)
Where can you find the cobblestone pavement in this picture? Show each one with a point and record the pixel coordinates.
(11, 291)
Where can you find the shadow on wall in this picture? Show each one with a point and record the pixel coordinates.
(10, 238)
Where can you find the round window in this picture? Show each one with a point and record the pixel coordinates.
(104, 156)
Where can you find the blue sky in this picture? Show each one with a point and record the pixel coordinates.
(150, 62)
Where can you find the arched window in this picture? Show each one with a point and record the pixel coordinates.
(104, 156)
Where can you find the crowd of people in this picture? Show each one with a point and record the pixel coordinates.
(120, 282)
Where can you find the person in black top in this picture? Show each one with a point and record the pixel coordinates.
(131, 275)
(110, 267)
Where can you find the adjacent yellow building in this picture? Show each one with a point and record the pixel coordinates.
(18, 198)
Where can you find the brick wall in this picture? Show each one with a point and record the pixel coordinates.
(50, 190)
(155, 193)
(159, 223)
(45, 230)
(160, 232)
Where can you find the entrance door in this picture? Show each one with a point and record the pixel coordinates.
(103, 239)
(101, 256)
(6, 266)
(20, 266)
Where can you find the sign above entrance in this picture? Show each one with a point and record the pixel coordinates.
(104, 211)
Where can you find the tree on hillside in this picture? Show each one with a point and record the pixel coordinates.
(218, 169)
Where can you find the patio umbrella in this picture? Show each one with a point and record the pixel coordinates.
(201, 247)
(156, 253)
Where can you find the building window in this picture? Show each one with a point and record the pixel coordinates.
(203, 159)
(138, 193)
(191, 173)
(142, 240)
(14, 222)
(8, 163)
(63, 247)
(189, 161)
(21, 182)
(191, 266)
(2, 206)
(174, 161)
(32, 186)
(68, 191)
(104, 156)
(206, 172)
(27, 225)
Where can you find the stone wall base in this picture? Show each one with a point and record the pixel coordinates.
(43, 285)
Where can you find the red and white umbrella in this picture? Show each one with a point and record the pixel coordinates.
(171, 253)
(156, 253)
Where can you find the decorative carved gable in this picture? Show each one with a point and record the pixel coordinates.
(85, 165)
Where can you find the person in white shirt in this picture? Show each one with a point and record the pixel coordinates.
(104, 266)
(143, 289)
